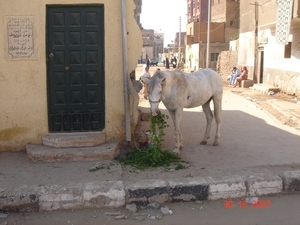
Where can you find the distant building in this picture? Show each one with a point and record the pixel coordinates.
(179, 43)
(153, 43)
(224, 27)
(158, 45)
(148, 44)
(197, 11)
(269, 43)
(138, 11)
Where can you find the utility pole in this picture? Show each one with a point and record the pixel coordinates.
(255, 67)
(179, 44)
(256, 44)
(208, 34)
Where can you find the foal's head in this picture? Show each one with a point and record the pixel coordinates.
(154, 88)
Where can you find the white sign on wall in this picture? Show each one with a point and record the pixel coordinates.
(20, 38)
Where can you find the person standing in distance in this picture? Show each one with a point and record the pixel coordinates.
(147, 75)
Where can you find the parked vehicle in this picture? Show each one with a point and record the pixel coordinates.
(153, 62)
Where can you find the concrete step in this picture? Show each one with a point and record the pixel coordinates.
(42, 153)
(265, 88)
(66, 140)
(246, 83)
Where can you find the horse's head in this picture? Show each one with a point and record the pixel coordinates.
(154, 88)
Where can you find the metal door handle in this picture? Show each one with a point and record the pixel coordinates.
(50, 55)
(67, 68)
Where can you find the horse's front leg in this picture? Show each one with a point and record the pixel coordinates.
(209, 117)
(176, 116)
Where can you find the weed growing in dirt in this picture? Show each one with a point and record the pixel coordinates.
(100, 166)
(153, 156)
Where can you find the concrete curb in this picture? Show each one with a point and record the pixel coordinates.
(116, 194)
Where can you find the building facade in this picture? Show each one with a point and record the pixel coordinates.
(153, 43)
(138, 11)
(224, 27)
(158, 45)
(269, 43)
(197, 11)
(61, 69)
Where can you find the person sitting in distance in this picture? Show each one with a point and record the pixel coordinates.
(244, 76)
(234, 74)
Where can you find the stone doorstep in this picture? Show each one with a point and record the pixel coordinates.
(66, 140)
(265, 88)
(247, 83)
(42, 153)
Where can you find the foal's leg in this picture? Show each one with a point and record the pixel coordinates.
(209, 117)
(176, 116)
(217, 99)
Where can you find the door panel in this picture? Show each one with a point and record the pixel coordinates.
(75, 69)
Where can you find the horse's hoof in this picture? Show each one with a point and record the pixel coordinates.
(203, 142)
(176, 151)
(216, 143)
(177, 146)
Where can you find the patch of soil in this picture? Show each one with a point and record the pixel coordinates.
(264, 101)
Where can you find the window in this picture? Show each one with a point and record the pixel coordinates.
(214, 57)
(288, 50)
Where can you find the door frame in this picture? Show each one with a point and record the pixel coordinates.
(102, 59)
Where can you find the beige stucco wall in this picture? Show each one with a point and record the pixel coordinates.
(192, 57)
(277, 70)
(23, 96)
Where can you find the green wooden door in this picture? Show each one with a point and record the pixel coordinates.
(75, 68)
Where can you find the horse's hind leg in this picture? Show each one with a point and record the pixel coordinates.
(217, 111)
(209, 117)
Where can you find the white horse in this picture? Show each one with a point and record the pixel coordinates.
(178, 90)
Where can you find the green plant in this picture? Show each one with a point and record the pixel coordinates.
(235, 36)
(157, 126)
(99, 167)
(153, 156)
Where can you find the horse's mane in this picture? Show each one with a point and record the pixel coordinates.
(158, 75)
(170, 76)
(167, 73)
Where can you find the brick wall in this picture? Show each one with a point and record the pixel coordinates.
(226, 61)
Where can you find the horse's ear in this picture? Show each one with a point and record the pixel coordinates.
(145, 80)
(163, 80)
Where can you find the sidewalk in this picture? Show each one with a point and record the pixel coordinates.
(257, 156)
